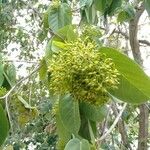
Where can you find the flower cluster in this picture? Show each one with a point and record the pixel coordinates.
(84, 72)
(3, 91)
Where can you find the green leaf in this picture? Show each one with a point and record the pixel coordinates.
(42, 35)
(51, 48)
(91, 133)
(6, 84)
(1, 75)
(64, 135)
(114, 5)
(123, 16)
(59, 16)
(67, 33)
(59, 45)
(94, 113)
(43, 70)
(91, 14)
(107, 6)
(102, 5)
(10, 74)
(69, 113)
(48, 51)
(4, 126)
(84, 131)
(134, 84)
(76, 144)
(147, 6)
(86, 3)
(126, 14)
(45, 20)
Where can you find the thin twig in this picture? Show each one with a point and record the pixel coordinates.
(113, 125)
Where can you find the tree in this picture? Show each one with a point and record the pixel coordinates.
(83, 72)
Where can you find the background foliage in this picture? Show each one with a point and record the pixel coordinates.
(31, 30)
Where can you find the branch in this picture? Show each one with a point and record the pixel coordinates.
(144, 42)
(107, 35)
(133, 31)
(144, 112)
(127, 36)
(113, 125)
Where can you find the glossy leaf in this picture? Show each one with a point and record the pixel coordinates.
(134, 84)
(69, 113)
(76, 144)
(94, 113)
(66, 33)
(59, 45)
(84, 131)
(64, 135)
(4, 126)
(59, 16)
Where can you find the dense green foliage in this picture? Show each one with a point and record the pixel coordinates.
(68, 105)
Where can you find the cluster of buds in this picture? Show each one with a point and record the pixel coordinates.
(84, 72)
(3, 91)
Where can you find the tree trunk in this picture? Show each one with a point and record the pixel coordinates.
(134, 43)
(143, 128)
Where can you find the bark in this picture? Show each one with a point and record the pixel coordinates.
(133, 31)
(134, 43)
(143, 128)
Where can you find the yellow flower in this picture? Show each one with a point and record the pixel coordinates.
(84, 72)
